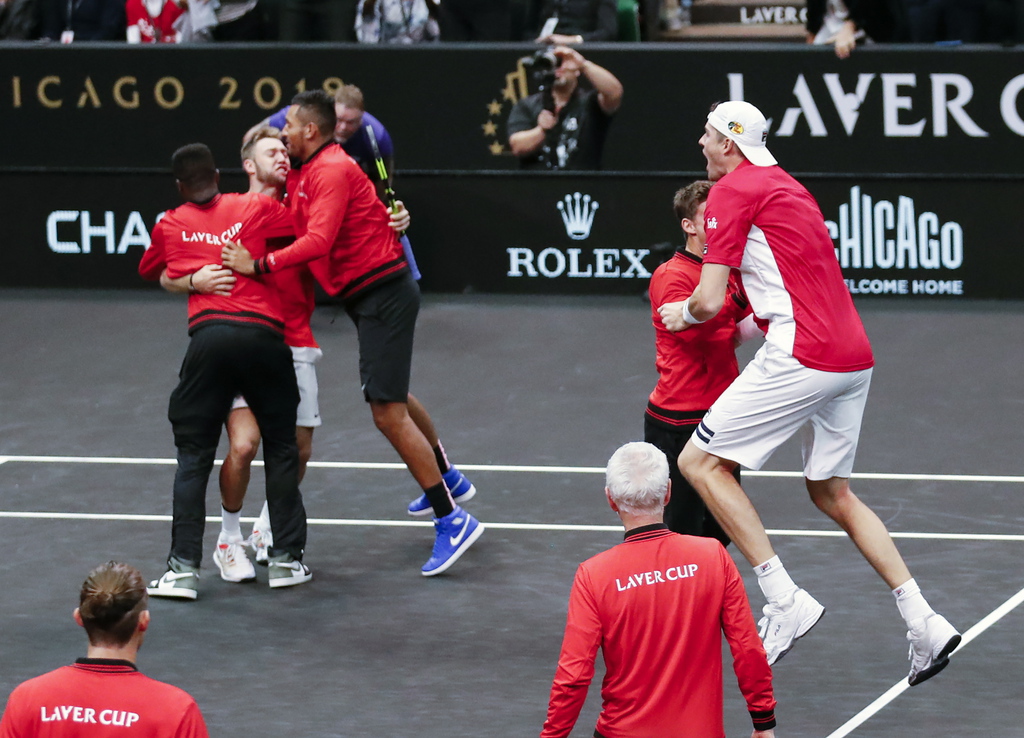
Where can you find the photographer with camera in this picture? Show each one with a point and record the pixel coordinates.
(563, 126)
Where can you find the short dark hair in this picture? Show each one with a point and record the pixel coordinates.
(193, 165)
(316, 106)
(689, 198)
(110, 602)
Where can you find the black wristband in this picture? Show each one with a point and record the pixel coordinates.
(191, 285)
(259, 267)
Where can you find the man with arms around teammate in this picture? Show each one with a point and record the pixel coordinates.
(338, 216)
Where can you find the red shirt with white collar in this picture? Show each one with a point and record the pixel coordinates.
(766, 224)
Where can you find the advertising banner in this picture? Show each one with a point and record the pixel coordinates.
(885, 110)
(560, 234)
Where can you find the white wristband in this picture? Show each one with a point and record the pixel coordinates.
(687, 315)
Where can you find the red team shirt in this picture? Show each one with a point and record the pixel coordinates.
(657, 606)
(160, 28)
(191, 236)
(100, 698)
(766, 224)
(694, 366)
(345, 237)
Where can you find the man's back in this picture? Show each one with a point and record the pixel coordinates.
(99, 698)
(657, 605)
(766, 224)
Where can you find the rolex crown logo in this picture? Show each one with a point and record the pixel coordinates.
(578, 215)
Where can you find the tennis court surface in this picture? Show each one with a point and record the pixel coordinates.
(531, 396)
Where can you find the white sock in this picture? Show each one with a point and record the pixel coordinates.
(230, 526)
(775, 581)
(910, 601)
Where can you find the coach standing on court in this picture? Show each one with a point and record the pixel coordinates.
(345, 237)
(812, 374)
(104, 694)
(657, 605)
(236, 347)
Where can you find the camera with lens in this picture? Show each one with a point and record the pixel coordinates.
(541, 68)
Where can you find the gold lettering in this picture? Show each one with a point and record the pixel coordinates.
(229, 101)
(258, 90)
(41, 92)
(515, 85)
(89, 94)
(130, 102)
(300, 86)
(332, 85)
(17, 91)
(179, 92)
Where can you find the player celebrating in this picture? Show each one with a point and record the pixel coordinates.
(344, 237)
(812, 373)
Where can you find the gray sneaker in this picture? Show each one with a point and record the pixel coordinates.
(179, 581)
(284, 570)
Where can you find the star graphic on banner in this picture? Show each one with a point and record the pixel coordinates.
(490, 129)
(508, 94)
(494, 108)
(496, 148)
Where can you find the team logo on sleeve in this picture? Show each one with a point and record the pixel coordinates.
(711, 224)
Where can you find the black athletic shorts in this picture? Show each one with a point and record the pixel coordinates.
(385, 319)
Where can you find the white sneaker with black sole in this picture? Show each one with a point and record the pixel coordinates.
(783, 624)
(285, 571)
(230, 558)
(932, 640)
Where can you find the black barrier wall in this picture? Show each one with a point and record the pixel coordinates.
(915, 156)
(557, 234)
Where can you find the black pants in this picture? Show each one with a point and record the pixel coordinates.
(223, 361)
(685, 512)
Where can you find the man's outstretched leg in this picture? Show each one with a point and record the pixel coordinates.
(931, 636)
(461, 489)
(456, 530)
(791, 612)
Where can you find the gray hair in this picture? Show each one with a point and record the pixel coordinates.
(637, 477)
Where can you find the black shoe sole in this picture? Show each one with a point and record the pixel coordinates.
(941, 662)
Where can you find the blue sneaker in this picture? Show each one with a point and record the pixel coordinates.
(461, 488)
(456, 532)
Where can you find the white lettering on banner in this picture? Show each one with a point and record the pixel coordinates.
(878, 286)
(777, 14)
(950, 94)
(134, 232)
(552, 263)
(1008, 105)
(647, 578)
(865, 229)
(77, 714)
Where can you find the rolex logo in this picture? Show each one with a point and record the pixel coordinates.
(578, 215)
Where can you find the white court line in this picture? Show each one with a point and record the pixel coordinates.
(902, 686)
(563, 527)
(516, 468)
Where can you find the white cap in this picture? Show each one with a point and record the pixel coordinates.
(745, 125)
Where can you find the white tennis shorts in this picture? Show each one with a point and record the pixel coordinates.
(773, 398)
(304, 359)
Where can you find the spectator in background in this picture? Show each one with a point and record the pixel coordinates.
(152, 21)
(675, 14)
(110, 695)
(475, 20)
(19, 20)
(569, 22)
(220, 20)
(844, 23)
(84, 20)
(396, 21)
(566, 129)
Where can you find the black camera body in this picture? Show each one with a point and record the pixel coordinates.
(541, 68)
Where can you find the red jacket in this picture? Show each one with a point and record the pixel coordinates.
(191, 236)
(100, 698)
(343, 227)
(657, 605)
(696, 365)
